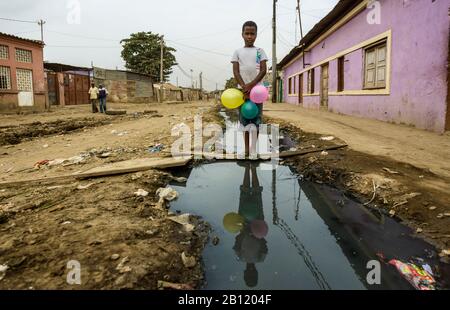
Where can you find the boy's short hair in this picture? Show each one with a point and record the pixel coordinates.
(250, 24)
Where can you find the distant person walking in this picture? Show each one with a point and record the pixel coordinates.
(102, 94)
(93, 96)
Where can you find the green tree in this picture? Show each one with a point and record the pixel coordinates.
(142, 54)
(231, 83)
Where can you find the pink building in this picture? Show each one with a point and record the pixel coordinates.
(385, 59)
(22, 82)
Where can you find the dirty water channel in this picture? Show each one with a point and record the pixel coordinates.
(273, 230)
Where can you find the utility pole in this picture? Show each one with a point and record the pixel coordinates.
(201, 85)
(300, 19)
(274, 53)
(41, 23)
(192, 79)
(161, 73)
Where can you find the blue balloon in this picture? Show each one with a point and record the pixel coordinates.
(249, 110)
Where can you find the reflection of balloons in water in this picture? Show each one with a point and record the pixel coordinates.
(259, 228)
(249, 110)
(233, 222)
(259, 94)
(232, 98)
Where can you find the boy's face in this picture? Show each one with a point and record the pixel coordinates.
(249, 35)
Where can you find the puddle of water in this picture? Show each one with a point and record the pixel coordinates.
(278, 232)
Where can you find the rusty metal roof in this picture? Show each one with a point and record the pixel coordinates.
(340, 10)
(57, 67)
(22, 39)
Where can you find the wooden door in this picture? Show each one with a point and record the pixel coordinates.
(324, 86)
(300, 89)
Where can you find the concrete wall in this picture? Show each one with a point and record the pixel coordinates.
(8, 98)
(125, 86)
(420, 48)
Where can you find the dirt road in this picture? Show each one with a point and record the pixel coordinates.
(420, 148)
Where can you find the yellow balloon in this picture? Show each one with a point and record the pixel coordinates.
(232, 98)
(233, 222)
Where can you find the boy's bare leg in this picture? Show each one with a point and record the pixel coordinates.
(246, 140)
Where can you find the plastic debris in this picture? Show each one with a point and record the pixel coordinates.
(156, 148)
(174, 286)
(180, 179)
(141, 193)
(3, 269)
(418, 277)
(390, 171)
(324, 153)
(41, 163)
(82, 187)
(184, 220)
(166, 194)
(188, 261)
(329, 138)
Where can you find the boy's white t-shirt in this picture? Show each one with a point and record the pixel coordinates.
(249, 59)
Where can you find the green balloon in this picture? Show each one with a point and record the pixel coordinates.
(249, 110)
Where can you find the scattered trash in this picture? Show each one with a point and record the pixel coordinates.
(166, 194)
(428, 269)
(3, 269)
(141, 193)
(136, 176)
(292, 149)
(433, 208)
(41, 163)
(55, 162)
(9, 170)
(104, 155)
(418, 277)
(390, 171)
(184, 220)
(329, 138)
(175, 286)
(215, 240)
(156, 148)
(313, 146)
(45, 146)
(444, 253)
(392, 213)
(419, 230)
(188, 261)
(440, 215)
(119, 134)
(82, 187)
(66, 223)
(324, 153)
(115, 257)
(121, 266)
(179, 180)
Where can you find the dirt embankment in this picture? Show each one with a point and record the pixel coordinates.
(121, 236)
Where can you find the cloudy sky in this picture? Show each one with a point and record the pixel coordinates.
(204, 32)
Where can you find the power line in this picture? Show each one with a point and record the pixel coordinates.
(18, 20)
(199, 49)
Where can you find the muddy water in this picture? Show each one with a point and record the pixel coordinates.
(277, 232)
(271, 230)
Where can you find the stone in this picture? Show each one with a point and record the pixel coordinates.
(188, 261)
(115, 257)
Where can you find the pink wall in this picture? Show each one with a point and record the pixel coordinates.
(420, 34)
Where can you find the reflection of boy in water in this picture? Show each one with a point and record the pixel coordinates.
(250, 245)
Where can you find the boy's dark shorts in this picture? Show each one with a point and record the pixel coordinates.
(256, 121)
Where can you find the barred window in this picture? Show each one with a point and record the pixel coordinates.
(23, 55)
(5, 78)
(24, 80)
(4, 52)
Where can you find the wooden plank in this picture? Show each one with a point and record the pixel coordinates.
(133, 165)
(280, 155)
(129, 166)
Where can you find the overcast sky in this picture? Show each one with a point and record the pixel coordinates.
(204, 32)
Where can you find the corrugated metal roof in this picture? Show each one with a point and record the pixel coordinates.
(341, 9)
(22, 39)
